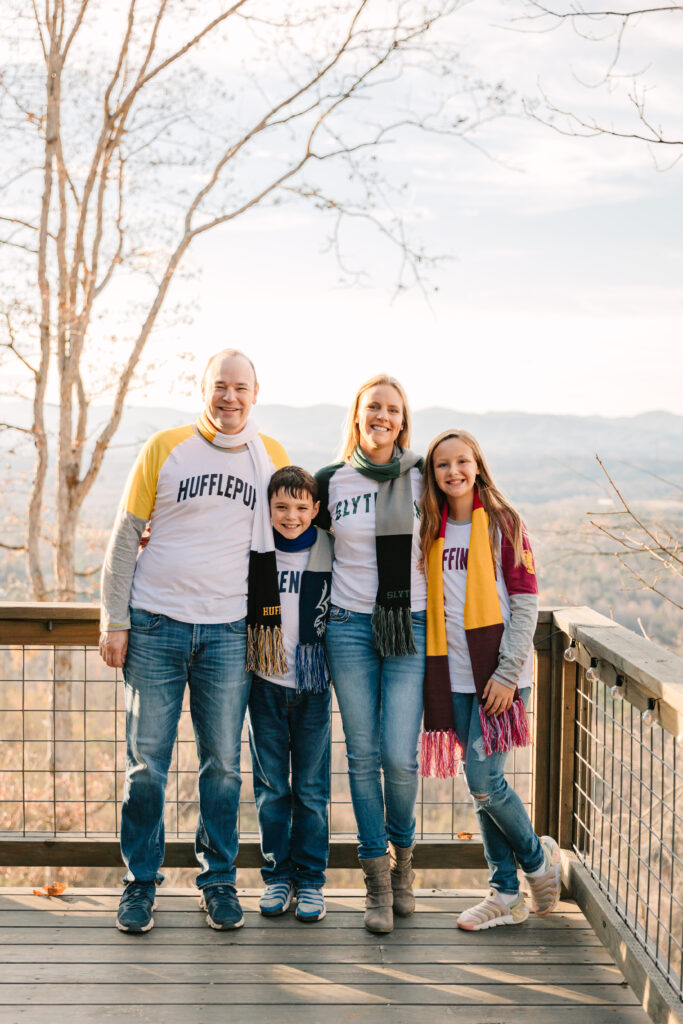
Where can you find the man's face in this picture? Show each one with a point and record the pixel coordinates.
(229, 391)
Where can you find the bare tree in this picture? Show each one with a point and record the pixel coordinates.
(611, 27)
(122, 149)
(651, 553)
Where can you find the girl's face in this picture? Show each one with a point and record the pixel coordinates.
(379, 419)
(455, 469)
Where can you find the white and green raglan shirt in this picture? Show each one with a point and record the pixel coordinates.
(199, 499)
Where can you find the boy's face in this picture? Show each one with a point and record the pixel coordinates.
(290, 516)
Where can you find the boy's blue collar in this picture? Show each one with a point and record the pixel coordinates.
(304, 540)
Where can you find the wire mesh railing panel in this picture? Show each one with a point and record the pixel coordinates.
(63, 758)
(628, 820)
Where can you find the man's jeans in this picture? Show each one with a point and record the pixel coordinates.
(380, 700)
(292, 818)
(164, 656)
(506, 831)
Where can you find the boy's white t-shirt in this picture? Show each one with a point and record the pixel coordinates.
(455, 554)
(290, 570)
(352, 498)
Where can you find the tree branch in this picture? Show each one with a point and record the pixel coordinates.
(595, 15)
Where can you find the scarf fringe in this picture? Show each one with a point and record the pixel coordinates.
(266, 650)
(392, 629)
(311, 669)
(440, 754)
(506, 731)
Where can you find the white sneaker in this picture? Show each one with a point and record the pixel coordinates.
(492, 911)
(545, 888)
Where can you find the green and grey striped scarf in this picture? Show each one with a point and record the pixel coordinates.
(391, 622)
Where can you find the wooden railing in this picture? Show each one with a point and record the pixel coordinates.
(50, 712)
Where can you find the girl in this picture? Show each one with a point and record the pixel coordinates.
(376, 634)
(482, 611)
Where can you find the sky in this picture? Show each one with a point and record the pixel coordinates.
(562, 287)
(563, 291)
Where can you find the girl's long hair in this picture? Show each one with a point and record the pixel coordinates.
(351, 435)
(502, 516)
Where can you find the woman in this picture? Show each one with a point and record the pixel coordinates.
(376, 634)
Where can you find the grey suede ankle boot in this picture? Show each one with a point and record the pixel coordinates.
(379, 916)
(402, 878)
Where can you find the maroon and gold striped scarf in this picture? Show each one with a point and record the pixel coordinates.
(441, 750)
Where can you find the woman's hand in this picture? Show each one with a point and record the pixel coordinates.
(497, 697)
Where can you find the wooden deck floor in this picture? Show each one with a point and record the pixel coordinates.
(63, 961)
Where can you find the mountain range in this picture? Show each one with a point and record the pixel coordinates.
(535, 458)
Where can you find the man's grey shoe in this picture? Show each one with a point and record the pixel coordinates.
(223, 910)
(136, 906)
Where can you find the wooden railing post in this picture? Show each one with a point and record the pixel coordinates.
(553, 807)
(542, 724)
(567, 741)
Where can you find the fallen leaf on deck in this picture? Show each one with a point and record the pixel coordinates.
(53, 889)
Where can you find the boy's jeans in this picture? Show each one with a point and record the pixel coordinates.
(506, 830)
(292, 818)
(164, 656)
(380, 700)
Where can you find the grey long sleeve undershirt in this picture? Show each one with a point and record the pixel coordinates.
(517, 638)
(118, 571)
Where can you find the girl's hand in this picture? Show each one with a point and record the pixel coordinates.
(497, 697)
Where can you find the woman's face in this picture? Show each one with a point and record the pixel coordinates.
(379, 418)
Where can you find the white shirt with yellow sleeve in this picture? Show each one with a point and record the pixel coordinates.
(199, 499)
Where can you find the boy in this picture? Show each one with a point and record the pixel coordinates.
(289, 707)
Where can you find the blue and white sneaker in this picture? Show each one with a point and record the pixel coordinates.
(310, 904)
(276, 898)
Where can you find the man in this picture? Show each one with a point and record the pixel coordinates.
(174, 615)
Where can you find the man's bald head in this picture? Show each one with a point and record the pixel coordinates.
(228, 353)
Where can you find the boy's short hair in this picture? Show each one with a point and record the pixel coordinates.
(294, 481)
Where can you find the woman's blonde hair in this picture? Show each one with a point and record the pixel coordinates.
(351, 435)
(502, 516)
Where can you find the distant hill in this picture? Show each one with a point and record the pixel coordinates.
(535, 458)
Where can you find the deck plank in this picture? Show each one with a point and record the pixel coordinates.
(525, 935)
(276, 973)
(302, 991)
(183, 1014)
(134, 951)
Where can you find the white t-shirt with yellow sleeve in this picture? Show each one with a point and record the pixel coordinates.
(199, 500)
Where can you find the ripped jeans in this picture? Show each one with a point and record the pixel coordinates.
(506, 831)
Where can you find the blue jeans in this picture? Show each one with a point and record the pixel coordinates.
(380, 700)
(506, 831)
(291, 730)
(164, 656)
